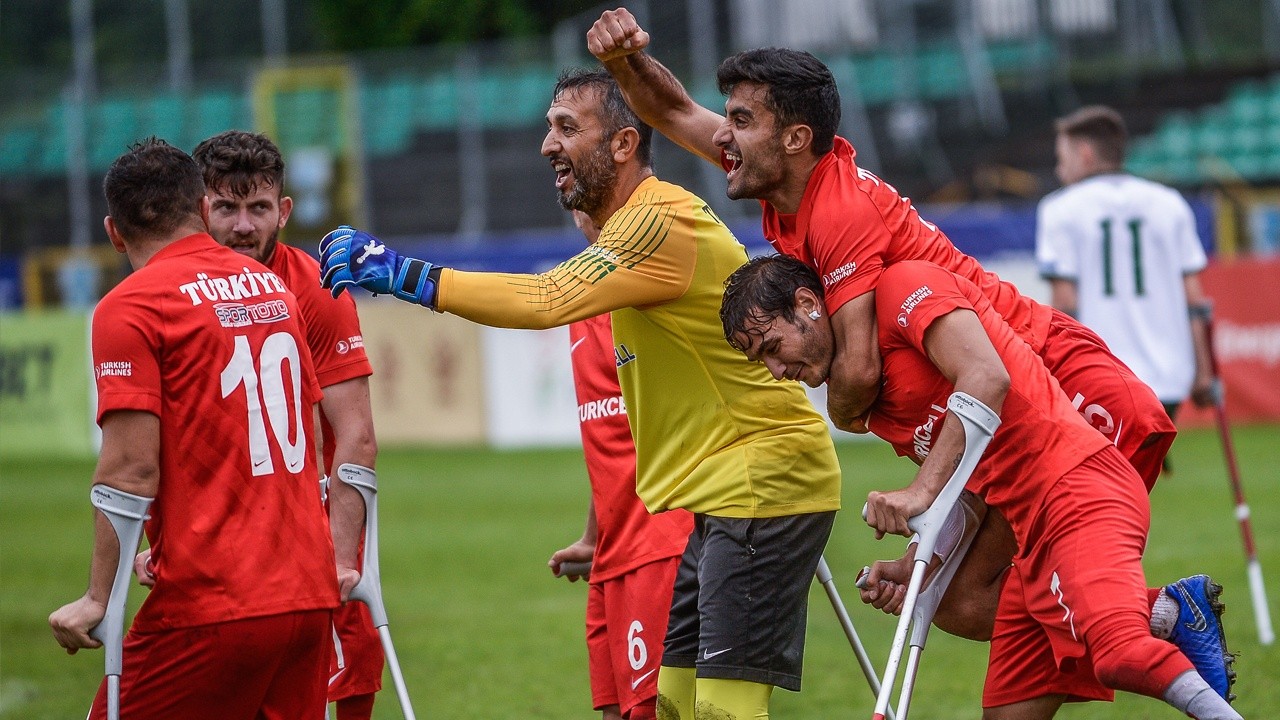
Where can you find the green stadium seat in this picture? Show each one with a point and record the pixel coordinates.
(877, 78)
(19, 147)
(439, 105)
(213, 112)
(1213, 135)
(1176, 135)
(941, 73)
(165, 116)
(112, 126)
(388, 115)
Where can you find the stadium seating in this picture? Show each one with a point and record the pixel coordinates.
(1236, 140)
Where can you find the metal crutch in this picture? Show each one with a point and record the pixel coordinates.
(127, 513)
(828, 583)
(979, 423)
(369, 589)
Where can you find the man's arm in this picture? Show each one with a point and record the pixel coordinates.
(855, 369)
(347, 408)
(129, 461)
(1203, 392)
(1064, 296)
(958, 345)
(655, 94)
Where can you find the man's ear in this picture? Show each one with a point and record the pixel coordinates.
(286, 207)
(797, 139)
(807, 301)
(205, 208)
(113, 234)
(624, 144)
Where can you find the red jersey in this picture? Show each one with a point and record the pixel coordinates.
(331, 326)
(209, 341)
(851, 225)
(1041, 436)
(627, 535)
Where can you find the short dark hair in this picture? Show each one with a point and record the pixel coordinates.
(238, 161)
(802, 89)
(1101, 127)
(613, 108)
(762, 290)
(152, 190)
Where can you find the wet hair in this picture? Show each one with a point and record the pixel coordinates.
(1100, 126)
(239, 162)
(801, 89)
(612, 109)
(761, 291)
(153, 190)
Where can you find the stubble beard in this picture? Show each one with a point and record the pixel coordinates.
(593, 181)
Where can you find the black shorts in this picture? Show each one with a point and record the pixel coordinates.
(741, 597)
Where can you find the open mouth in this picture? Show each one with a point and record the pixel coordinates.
(564, 174)
(735, 163)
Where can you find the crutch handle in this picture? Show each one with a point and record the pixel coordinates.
(369, 589)
(126, 513)
(581, 569)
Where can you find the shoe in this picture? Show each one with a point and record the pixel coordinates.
(1198, 632)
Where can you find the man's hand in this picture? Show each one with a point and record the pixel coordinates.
(143, 568)
(72, 622)
(353, 257)
(1206, 391)
(886, 584)
(348, 578)
(616, 34)
(889, 512)
(579, 552)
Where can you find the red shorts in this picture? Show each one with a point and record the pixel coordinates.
(626, 624)
(1082, 561)
(263, 667)
(1109, 396)
(355, 665)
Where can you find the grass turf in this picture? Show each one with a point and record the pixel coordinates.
(484, 631)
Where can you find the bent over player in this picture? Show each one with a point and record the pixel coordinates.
(244, 178)
(205, 393)
(1078, 510)
(713, 433)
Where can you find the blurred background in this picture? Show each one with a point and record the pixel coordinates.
(421, 120)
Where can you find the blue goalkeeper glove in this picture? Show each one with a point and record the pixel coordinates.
(352, 257)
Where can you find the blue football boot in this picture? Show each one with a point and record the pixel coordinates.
(1198, 632)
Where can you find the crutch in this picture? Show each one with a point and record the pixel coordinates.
(979, 423)
(1257, 589)
(369, 589)
(828, 583)
(127, 513)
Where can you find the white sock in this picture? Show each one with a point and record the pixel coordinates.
(1192, 695)
(1164, 616)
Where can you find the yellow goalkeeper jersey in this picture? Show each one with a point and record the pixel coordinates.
(714, 433)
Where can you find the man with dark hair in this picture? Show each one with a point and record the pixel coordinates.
(850, 225)
(1122, 255)
(244, 178)
(205, 393)
(1078, 509)
(713, 433)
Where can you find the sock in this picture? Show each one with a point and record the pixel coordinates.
(1164, 615)
(675, 692)
(1192, 695)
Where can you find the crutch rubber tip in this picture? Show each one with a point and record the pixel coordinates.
(861, 581)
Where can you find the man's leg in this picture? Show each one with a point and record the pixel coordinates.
(680, 647)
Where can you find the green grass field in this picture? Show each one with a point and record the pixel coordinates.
(483, 631)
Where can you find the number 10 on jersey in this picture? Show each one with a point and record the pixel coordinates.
(265, 388)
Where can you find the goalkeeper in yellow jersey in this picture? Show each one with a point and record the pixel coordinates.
(714, 433)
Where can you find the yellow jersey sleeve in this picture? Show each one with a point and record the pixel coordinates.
(643, 257)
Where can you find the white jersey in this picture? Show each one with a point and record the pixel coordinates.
(1127, 243)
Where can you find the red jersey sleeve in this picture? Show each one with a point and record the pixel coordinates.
(911, 295)
(126, 356)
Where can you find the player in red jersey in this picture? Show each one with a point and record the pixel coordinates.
(244, 178)
(205, 393)
(634, 555)
(778, 145)
(1079, 511)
